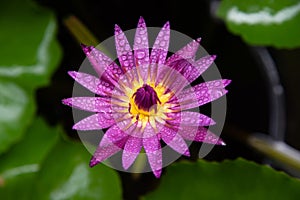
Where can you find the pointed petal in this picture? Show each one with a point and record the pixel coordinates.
(92, 104)
(180, 62)
(105, 67)
(153, 150)
(95, 122)
(190, 119)
(113, 141)
(191, 69)
(198, 67)
(200, 135)
(141, 46)
(115, 134)
(102, 153)
(124, 51)
(92, 83)
(174, 140)
(161, 45)
(132, 149)
(154, 154)
(201, 94)
(186, 52)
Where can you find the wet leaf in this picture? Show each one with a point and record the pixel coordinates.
(271, 23)
(19, 166)
(29, 49)
(29, 55)
(16, 111)
(239, 179)
(67, 175)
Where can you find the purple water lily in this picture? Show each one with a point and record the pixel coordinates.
(147, 98)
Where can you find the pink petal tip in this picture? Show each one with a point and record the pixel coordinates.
(117, 29)
(198, 39)
(141, 23)
(226, 82)
(157, 173)
(67, 102)
(166, 25)
(73, 74)
(93, 162)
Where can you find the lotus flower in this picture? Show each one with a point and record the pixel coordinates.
(147, 98)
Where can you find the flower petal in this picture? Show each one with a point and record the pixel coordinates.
(186, 52)
(200, 135)
(95, 122)
(161, 45)
(153, 151)
(113, 141)
(191, 69)
(115, 134)
(141, 48)
(124, 51)
(92, 83)
(190, 119)
(105, 67)
(198, 67)
(201, 94)
(92, 104)
(174, 140)
(132, 149)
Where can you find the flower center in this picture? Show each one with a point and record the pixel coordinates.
(145, 97)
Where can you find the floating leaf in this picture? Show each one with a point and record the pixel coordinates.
(271, 23)
(29, 54)
(16, 111)
(29, 50)
(67, 175)
(239, 179)
(19, 166)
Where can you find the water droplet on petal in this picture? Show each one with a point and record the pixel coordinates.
(140, 54)
(126, 63)
(166, 37)
(127, 47)
(138, 40)
(142, 31)
(123, 57)
(120, 36)
(162, 44)
(217, 83)
(121, 42)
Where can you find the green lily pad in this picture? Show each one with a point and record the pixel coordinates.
(16, 111)
(29, 55)
(19, 166)
(268, 22)
(239, 179)
(66, 175)
(29, 50)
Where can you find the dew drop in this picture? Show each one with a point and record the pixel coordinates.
(120, 36)
(127, 47)
(217, 83)
(123, 57)
(142, 31)
(162, 44)
(121, 42)
(140, 54)
(166, 37)
(138, 40)
(126, 63)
